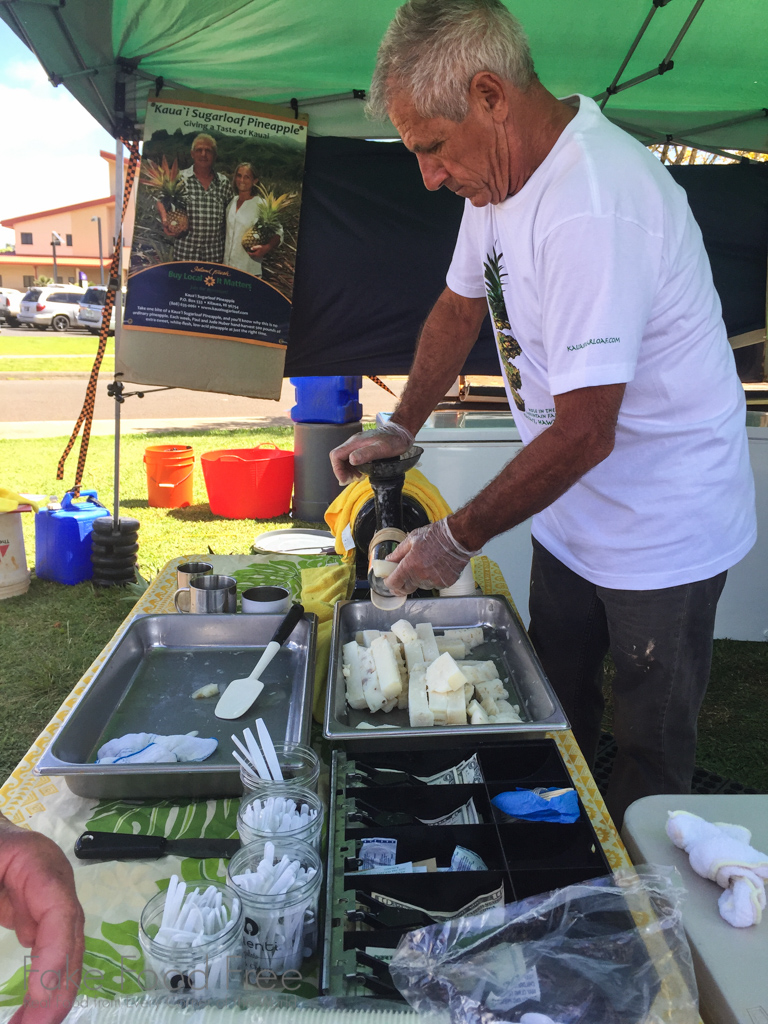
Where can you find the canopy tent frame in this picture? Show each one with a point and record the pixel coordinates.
(101, 85)
(666, 65)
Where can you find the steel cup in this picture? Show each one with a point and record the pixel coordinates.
(185, 572)
(207, 595)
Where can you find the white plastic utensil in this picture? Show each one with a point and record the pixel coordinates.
(269, 750)
(268, 769)
(241, 693)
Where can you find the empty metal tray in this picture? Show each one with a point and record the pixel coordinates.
(506, 642)
(145, 685)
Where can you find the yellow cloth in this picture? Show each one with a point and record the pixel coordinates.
(343, 510)
(321, 588)
(10, 501)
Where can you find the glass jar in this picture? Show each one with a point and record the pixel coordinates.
(299, 764)
(280, 929)
(311, 832)
(201, 971)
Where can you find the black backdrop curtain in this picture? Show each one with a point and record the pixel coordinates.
(374, 247)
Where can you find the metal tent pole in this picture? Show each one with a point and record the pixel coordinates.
(119, 178)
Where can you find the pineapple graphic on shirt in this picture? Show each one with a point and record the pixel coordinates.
(508, 346)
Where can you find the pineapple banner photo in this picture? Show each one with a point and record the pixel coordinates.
(213, 256)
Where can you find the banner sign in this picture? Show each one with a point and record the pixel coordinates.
(214, 240)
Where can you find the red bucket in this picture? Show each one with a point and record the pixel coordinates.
(249, 483)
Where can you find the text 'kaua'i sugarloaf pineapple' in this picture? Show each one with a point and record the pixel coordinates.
(169, 186)
(267, 224)
(508, 345)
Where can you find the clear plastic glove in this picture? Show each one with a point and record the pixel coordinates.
(429, 557)
(384, 442)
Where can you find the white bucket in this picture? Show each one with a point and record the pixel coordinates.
(14, 575)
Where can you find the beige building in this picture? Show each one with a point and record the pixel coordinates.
(77, 258)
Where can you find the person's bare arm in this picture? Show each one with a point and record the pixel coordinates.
(446, 339)
(39, 902)
(582, 436)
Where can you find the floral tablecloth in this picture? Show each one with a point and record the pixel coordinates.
(114, 893)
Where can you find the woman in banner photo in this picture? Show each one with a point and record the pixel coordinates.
(245, 209)
(206, 193)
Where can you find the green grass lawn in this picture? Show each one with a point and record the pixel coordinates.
(49, 351)
(49, 636)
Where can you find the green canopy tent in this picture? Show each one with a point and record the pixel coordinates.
(691, 71)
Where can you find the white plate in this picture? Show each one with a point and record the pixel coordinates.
(294, 542)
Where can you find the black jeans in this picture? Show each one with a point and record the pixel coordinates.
(661, 643)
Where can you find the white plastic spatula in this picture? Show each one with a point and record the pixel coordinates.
(241, 693)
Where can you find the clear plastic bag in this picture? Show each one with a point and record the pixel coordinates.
(609, 951)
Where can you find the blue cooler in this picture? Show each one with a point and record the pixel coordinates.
(63, 539)
(327, 399)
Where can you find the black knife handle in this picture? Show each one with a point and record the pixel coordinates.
(288, 624)
(118, 846)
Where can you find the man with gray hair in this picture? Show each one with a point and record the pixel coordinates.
(206, 195)
(619, 373)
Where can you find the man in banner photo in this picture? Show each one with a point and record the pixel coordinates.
(217, 218)
(204, 195)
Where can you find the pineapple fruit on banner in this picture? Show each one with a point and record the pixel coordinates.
(215, 236)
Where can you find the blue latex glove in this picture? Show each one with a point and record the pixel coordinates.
(525, 804)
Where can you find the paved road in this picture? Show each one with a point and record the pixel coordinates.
(49, 407)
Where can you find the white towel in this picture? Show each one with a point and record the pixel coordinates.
(722, 853)
(149, 748)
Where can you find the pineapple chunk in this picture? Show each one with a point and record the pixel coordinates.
(493, 688)
(438, 705)
(455, 709)
(374, 698)
(354, 676)
(445, 675)
(419, 712)
(414, 656)
(369, 635)
(480, 670)
(447, 645)
(489, 705)
(477, 714)
(472, 637)
(469, 692)
(427, 638)
(404, 631)
(386, 667)
(506, 712)
(382, 568)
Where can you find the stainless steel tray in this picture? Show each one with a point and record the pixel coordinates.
(145, 686)
(506, 643)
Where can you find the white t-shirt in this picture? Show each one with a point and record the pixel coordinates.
(604, 280)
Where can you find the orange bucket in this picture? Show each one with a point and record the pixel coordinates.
(249, 483)
(169, 475)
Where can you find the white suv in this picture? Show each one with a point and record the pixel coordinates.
(91, 308)
(9, 305)
(53, 306)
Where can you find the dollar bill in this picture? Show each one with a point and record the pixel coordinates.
(464, 815)
(479, 905)
(377, 853)
(405, 868)
(467, 860)
(465, 773)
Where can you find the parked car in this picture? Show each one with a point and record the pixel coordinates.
(10, 298)
(53, 306)
(91, 306)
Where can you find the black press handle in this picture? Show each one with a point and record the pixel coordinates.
(118, 846)
(288, 624)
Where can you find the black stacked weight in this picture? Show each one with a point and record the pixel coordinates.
(114, 551)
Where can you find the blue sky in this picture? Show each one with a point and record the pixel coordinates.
(50, 143)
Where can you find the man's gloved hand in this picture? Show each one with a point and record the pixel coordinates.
(429, 557)
(382, 443)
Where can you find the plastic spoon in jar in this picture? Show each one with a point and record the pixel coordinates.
(241, 693)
